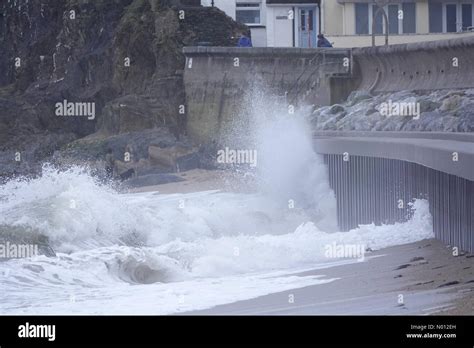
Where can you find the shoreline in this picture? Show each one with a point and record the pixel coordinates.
(427, 275)
(429, 278)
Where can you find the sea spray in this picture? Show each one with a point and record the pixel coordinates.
(289, 172)
(185, 251)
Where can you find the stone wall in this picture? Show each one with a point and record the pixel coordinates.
(417, 66)
(217, 80)
(214, 86)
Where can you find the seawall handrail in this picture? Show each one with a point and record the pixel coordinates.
(433, 150)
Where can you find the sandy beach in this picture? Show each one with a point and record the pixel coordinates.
(202, 180)
(419, 278)
(429, 278)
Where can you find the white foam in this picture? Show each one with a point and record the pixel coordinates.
(205, 265)
(210, 247)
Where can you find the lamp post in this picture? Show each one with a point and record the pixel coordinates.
(380, 9)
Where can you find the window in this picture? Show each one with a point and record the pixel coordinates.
(303, 20)
(436, 17)
(378, 20)
(248, 13)
(451, 26)
(310, 20)
(466, 10)
(393, 19)
(409, 17)
(401, 18)
(451, 16)
(362, 18)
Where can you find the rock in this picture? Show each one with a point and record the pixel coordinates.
(360, 113)
(438, 125)
(371, 110)
(336, 108)
(427, 105)
(466, 118)
(331, 123)
(208, 156)
(358, 96)
(188, 162)
(86, 60)
(460, 93)
(152, 180)
(125, 170)
(128, 114)
(168, 156)
(451, 103)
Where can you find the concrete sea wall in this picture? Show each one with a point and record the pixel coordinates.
(417, 66)
(215, 86)
(381, 170)
(375, 178)
(217, 78)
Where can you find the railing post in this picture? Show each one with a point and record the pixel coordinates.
(385, 19)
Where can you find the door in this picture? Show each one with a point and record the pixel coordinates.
(307, 27)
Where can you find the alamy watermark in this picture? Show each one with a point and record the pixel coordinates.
(84, 109)
(345, 251)
(28, 330)
(391, 108)
(229, 156)
(15, 251)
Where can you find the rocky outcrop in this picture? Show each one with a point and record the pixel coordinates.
(124, 56)
(140, 153)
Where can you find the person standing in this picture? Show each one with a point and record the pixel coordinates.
(244, 41)
(323, 42)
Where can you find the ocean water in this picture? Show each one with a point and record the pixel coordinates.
(152, 253)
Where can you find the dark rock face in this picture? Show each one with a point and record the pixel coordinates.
(122, 55)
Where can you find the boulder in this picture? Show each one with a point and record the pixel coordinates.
(451, 103)
(168, 156)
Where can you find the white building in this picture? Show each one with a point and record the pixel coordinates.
(275, 23)
(349, 23)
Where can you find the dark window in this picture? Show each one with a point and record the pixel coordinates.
(362, 18)
(393, 19)
(436, 17)
(466, 16)
(451, 26)
(190, 2)
(409, 17)
(303, 20)
(310, 20)
(378, 20)
(248, 13)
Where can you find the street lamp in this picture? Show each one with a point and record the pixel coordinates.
(380, 9)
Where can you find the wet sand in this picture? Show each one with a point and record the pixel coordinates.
(203, 180)
(426, 274)
(429, 278)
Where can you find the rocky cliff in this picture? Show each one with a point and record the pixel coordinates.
(121, 56)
